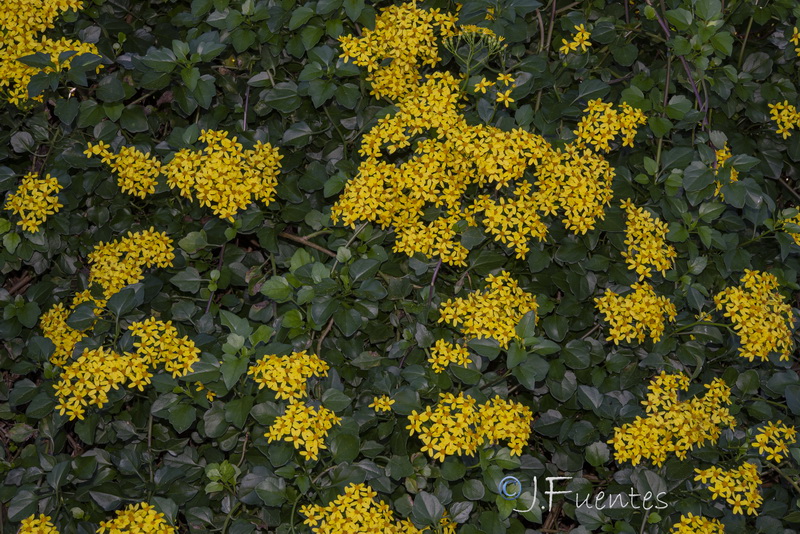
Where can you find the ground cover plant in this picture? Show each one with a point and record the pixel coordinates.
(335, 266)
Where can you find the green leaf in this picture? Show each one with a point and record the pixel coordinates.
(82, 317)
(680, 18)
(353, 8)
(335, 400)
(659, 126)
(126, 300)
(427, 509)
(347, 320)
(233, 368)
(187, 280)
(182, 417)
(708, 9)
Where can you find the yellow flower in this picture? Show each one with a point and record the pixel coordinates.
(458, 425)
(355, 511)
(116, 264)
(224, 176)
(136, 171)
(786, 116)
(673, 426)
(444, 353)
(22, 24)
(141, 518)
(37, 525)
(382, 403)
(645, 237)
(581, 41)
(635, 315)
(761, 318)
(34, 201)
(506, 79)
(287, 375)
(505, 97)
(482, 85)
(304, 427)
(722, 155)
(88, 379)
(739, 487)
(774, 439)
(695, 524)
(493, 313)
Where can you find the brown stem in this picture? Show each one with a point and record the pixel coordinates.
(308, 243)
(324, 333)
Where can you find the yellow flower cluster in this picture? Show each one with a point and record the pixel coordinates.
(645, 237)
(581, 40)
(635, 315)
(404, 39)
(21, 24)
(114, 265)
(602, 123)
(492, 313)
(791, 220)
(382, 403)
(458, 425)
(697, 524)
(34, 200)
(795, 40)
(774, 439)
(55, 328)
(224, 176)
(760, 316)
(137, 172)
(304, 427)
(426, 194)
(117, 264)
(287, 375)
(159, 344)
(355, 511)
(722, 155)
(671, 425)
(37, 525)
(444, 353)
(88, 379)
(786, 116)
(739, 487)
(141, 518)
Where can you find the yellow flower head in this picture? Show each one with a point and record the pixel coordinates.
(287, 375)
(37, 525)
(35, 200)
(645, 237)
(22, 27)
(673, 426)
(774, 440)
(355, 511)
(492, 313)
(760, 317)
(458, 425)
(382, 403)
(697, 524)
(738, 487)
(635, 315)
(304, 427)
(141, 518)
(444, 353)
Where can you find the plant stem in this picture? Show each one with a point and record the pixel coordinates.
(784, 475)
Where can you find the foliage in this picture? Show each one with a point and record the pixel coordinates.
(278, 266)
